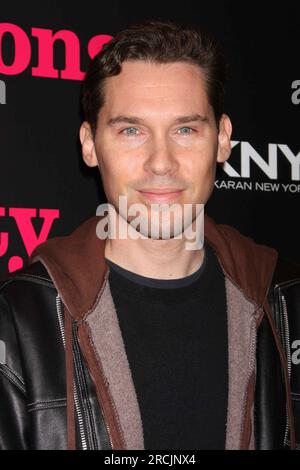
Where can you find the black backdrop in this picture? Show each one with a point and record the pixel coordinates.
(45, 188)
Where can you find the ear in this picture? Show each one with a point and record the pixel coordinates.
(224, 147)
(88, 144)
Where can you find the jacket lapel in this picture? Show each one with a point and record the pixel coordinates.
(106, 337)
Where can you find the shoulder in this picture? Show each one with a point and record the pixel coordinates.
(34, 273)
(18, 291)
(23, 293)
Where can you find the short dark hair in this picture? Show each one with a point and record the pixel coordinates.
(159, 42)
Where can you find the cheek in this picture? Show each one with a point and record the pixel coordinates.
(116, 176)
(119, 173)
(116, 159)
(201, 173)
(201, 166)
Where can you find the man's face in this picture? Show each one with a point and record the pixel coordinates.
(157, 140)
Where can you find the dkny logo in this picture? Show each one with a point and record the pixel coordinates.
(249, 157)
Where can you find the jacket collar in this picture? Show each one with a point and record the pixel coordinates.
(76, 263)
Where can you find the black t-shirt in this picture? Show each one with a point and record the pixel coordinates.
(175, 336)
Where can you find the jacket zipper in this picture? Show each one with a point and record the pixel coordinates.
(83, 392)
(76, 399)
(286, 339)
(101, 405)
(286, 334)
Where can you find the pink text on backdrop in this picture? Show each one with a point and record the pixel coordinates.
(23, 219)
(46, 39)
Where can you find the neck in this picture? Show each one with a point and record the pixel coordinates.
(157, 259)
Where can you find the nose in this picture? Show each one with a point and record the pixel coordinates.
(161, 159)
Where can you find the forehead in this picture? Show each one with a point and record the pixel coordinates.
(142, 84)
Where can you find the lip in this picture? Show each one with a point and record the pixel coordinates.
(160, 190)
(160, 195)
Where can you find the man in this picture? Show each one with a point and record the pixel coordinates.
(140, 342)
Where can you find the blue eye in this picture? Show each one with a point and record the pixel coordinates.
(187, 133)
(128, 129)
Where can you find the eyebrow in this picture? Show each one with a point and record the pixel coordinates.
(138, 120)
